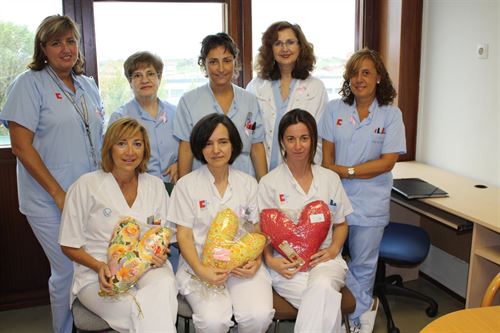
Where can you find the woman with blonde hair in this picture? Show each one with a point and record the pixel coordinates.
(55, 118)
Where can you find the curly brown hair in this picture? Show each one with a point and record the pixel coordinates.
(211, 42)
(385, 92)
(266, 66)
(50, 28)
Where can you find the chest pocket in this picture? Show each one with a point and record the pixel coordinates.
(376, 144)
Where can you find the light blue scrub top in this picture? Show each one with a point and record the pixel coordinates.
(244, 112)
(164, 145)
(281, 107)
(382, 132)
(35, 101)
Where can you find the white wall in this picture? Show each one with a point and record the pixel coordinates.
(459, 102)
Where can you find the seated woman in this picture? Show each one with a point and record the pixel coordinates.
(94, 205)
(196, 200)
(290, 186)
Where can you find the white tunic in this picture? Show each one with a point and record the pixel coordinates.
(196, 201)
(309, 95)
(279, 189)
(94, 205)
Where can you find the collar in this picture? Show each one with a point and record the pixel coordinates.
(234, 103)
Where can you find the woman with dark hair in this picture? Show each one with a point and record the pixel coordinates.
(55, 118)
(196, 200)
(284, 65)
(144, 72)
(290, 186)
(363, 136)
(95, 204)
(219, 59)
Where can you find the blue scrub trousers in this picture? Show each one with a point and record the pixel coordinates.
(364, 244)
(46, 230)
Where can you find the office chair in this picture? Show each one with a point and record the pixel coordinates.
(491, 291)
(406, 245)
(85, 320)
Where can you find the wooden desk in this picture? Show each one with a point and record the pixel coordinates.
(484, 320)
(480, 206)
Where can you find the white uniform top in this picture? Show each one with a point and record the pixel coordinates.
(279, 189)
(94, 205)
(309, 95)
(196, 201)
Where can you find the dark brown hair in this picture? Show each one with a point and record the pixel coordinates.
(268, 69)
(293, 117)
(203, 130)
(211, 42)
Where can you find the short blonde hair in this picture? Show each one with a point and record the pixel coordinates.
(124, 128)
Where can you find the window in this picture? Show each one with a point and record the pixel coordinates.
(328, 25)
(17, 32)
(173, 31)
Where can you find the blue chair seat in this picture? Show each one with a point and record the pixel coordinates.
(404, 244)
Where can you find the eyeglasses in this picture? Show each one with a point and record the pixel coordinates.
(137, 76)
(289, 43)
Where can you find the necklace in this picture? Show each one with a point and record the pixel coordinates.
(81, 109)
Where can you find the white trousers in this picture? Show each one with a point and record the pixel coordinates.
(316, 295)
(155, 293)
(364, 244)
(46, 230)
(250, 300)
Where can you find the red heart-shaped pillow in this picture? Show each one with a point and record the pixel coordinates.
(304, 238)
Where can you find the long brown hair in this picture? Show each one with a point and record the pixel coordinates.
(268, 69)
(385, 92)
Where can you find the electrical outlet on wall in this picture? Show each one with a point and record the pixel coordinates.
(482, 51)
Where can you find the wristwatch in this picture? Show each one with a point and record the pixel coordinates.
(350, 172)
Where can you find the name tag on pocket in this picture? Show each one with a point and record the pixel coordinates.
(317, 218)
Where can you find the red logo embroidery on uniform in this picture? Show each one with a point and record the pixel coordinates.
(380, 130)
(282, 198)
(339, 122)
(58, 95)
(202, 203)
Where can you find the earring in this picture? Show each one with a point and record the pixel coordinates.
(378, 82)
(347, 89)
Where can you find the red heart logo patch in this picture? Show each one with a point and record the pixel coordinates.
(301, 239)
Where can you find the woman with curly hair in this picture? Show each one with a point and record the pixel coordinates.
(219, 60)
(284, 82)
(363, 136)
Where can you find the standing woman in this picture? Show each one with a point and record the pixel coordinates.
(219, 59)
(290, 186)
(143, 71)
(284, 82)
(54, 115)
(363, 136)
(196, 200)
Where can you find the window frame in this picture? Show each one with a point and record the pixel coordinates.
(371, 18)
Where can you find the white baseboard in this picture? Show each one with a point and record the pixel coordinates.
(447, 270)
